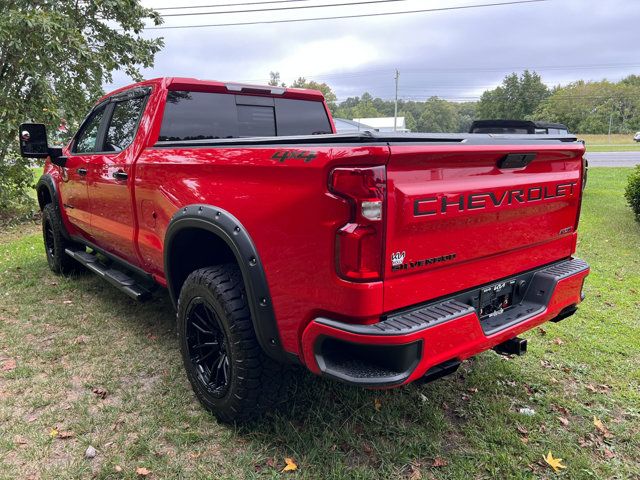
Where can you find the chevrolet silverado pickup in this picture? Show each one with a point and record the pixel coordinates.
(370, 258)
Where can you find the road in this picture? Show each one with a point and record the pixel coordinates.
(613, 159)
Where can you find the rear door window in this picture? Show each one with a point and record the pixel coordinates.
(204, 115)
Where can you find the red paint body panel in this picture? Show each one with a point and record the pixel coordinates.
(293, 218)
(489, 242)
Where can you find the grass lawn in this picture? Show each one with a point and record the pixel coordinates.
(62, 339)
(615, 143)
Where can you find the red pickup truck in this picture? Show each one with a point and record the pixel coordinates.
(373, 259)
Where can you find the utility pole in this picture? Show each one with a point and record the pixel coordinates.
(395, 115)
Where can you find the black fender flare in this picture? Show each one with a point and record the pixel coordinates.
(228, 228)
(46, 181)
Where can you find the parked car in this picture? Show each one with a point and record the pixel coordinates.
(518, 127)
(350, 126)
(375, 260)
(636, 137)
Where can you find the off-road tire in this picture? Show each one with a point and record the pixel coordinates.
(255, 383)
(55, 243)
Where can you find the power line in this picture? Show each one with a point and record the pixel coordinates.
(479, 69)
(225, 12)
(474, 70)
(341, 17)
(237, 4)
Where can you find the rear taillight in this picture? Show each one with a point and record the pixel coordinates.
(359, 243)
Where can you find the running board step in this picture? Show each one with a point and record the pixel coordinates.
(115, 277)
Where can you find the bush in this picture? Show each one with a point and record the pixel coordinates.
(16, 179)
(632, 193)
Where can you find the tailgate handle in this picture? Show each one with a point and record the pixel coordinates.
(516, 160)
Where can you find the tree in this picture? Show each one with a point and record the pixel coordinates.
(274, 80)
(438, 116)
(54, 58)
(516, 99)
(591, 107)
(409, 120)
(326, 90)
(365, 107)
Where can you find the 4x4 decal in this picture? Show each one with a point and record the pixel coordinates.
(282, 155)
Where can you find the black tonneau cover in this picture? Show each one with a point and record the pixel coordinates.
(374, 138)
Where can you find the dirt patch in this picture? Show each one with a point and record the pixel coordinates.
(17, 232)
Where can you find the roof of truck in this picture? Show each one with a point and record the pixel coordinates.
(195, 84)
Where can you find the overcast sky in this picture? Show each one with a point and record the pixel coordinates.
(454, 54)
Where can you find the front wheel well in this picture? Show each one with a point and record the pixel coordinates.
(192, 249)
(44, 197)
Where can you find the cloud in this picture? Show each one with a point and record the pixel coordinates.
(454, 54)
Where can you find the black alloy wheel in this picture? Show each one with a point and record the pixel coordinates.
(208, 348)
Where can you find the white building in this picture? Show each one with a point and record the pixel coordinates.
(384, 124)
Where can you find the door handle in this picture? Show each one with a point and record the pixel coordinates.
(81, 171)
(120, 175)
(516, 160)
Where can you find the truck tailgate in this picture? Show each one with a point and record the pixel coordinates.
(460, 216)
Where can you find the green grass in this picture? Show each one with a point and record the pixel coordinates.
(615, 143)
(613, 148)
(69, 336)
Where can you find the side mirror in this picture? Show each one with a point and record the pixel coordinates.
(34, 144)
(33, 140)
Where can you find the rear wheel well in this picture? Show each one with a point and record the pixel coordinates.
(192, 249)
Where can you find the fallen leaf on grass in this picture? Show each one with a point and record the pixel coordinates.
(608, 454)
(53, 433)
(563, 421)
(8, 365)
(558, 341)
(290, 465)
(414, 472)
(118, 468)
(439, 462)
(19, 440)
(542, 331)
(584, 443)
(555, 463)
(601, 427)
(152, 337)
(100, 392)
(522, 430)
(143, 472)
(377, 404)
(66, 435)
(472, 390)
(591, 388)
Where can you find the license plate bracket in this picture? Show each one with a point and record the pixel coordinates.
(496, 298)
